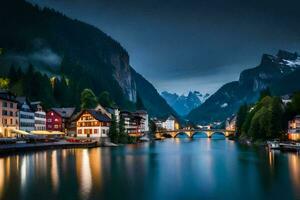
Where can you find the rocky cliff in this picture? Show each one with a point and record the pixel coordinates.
(272, 72)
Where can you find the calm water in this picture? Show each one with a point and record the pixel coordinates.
(170, 169)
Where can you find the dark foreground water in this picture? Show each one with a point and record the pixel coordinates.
(170, 169)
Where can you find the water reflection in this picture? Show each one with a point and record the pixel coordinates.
(84, 172)
(171, 169)
(54, 171)
(294, 169)
(2, 177)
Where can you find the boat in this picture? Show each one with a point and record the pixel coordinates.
(273, 144)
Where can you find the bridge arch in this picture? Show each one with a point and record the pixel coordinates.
(181, 133)
(200, 133)
(218, 133)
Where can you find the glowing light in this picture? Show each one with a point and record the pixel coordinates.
(54, 171)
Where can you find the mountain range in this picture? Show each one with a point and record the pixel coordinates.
(183, 104)
(61, 47)
(279, 73)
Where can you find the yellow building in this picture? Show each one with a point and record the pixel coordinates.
(9, 120)
(294, 129)
(92, 123)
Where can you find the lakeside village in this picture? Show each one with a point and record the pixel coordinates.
(27, 125)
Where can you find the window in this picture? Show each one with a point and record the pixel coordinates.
(56, 120)
(11, 105)
(79, 131)
(95, 131)
(49, 120)
(103, 131)
(4, 104)
(11, 113)
(11, 121)
(55, 126)
(4, 112)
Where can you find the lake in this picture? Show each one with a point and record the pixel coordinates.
(171, 169)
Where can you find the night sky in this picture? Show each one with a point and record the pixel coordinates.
(192, 44)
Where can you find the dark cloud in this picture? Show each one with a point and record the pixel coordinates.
(192, 44)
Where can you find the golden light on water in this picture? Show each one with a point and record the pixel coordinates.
(294, 168)
(96, 164)
(84, 173)
(54, 171)
(2, 177)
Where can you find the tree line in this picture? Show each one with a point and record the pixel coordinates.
(266, 119)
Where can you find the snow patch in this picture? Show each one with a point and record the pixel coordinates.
(224, 105)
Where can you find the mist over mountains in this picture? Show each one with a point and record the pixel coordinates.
(75, 54)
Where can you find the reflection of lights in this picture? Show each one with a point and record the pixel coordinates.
(54, 171)
(86, 176)
(23, 172)
(95, 161)
(271, 158)
(2, 177)
(294, 168)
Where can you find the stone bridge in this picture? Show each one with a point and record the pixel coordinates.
(190, 133)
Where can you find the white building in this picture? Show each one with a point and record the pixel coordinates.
(170, 124)
(144, 115)
(286, 99)
(113, 112)
(26, 115)
(39, 116)
(231, 123)
(92, 123)
(134, 122)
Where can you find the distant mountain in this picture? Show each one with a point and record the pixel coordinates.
(184, 104)
(280, 73)
(78, 52)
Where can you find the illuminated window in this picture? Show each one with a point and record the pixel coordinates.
(95, 131)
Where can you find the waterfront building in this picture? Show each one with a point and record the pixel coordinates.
(294, 128)
(286, 99)
(170, 124)
(114, 112)
(39, 116)
(144, 115)
(26, 115)
(58, 119)
(92, 123)
(231, 123)
(134, 123)
(158, 123)
(9, 119)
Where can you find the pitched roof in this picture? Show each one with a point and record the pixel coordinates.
(64, 112)
(171, 117)
(22, 100)
(99, 116)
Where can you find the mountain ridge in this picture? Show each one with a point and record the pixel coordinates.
(270, 73)
(183, 104)
(60, 46)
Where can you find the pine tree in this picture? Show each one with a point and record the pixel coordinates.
(88, 99)
(122, 135)
(113, 132)
(240, 119)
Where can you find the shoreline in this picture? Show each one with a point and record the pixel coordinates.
(25, 147)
